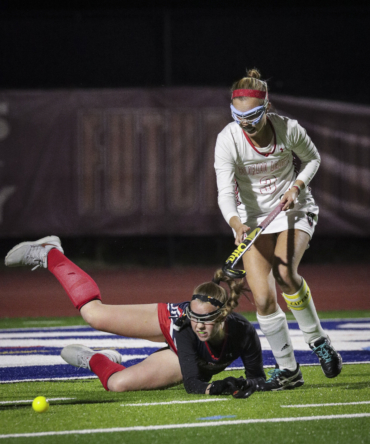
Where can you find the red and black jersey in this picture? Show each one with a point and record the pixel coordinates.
(199, 360)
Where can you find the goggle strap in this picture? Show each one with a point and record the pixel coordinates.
(202, 317)
(210, 299)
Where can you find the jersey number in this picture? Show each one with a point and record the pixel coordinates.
(269, 184)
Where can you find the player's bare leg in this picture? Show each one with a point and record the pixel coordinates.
(140, 321)
(290, 247)
(134, 321)
(159, 370)
(257, 263)
(272, 320)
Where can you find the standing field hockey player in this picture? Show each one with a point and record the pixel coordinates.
(204, 336)
(256, 170)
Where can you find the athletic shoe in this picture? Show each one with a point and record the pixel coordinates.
(79, 355)
(330, 359)
(34, 254)
(283, 379)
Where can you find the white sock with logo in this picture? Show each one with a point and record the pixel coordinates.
(275, 328)
(303, 309)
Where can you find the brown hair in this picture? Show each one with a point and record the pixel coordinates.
(237, 288)
(251, 81)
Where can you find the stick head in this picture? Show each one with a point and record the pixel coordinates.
(233, 274)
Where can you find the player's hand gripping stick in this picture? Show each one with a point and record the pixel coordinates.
(244, 246)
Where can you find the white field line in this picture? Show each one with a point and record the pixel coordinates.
(41, 360)
(354, 325)
(65, 327)
(114, 342)
(49, 379)
(183, 426)
(52, 334)
(174, 402)
(325, 405)
(30, 400)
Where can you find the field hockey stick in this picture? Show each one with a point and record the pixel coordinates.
(246, 245)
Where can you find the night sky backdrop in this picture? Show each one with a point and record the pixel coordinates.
(303, 50)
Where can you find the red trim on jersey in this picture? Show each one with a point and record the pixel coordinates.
(165, 324)
(255, 149)
(223, 346)
(249, 93)
(236, 191)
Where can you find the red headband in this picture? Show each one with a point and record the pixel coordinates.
(248, 93)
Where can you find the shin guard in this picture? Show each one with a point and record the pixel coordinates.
(300, 300)
(80, 287)
(302, 306)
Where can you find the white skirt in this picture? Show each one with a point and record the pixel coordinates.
(303, 216)
(292, 219)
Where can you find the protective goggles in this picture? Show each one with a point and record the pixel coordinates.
(208, 317)
(253, 116)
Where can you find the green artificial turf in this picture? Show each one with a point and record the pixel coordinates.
(94, 408)
(41, 322)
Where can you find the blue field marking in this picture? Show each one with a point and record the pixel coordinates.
(215, 418)
(34, 353)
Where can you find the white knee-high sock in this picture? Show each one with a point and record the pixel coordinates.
(275, 328)
(303, 309)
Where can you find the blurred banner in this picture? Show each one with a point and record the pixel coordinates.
(140, 161)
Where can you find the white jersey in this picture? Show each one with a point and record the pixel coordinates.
(251, 180)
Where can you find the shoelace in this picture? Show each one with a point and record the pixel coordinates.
(35, 254)
(273, 374)
(84, 361)
(323, 352)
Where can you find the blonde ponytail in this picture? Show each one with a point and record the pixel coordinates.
(237, 288)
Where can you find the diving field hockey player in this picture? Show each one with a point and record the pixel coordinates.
(204, 336)
(256, 170)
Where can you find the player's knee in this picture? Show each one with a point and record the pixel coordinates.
(125, 381)
(92, 314)
(284, 275)
(265, 306)
(117, 385)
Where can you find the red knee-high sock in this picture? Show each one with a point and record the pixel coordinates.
(80, 287)
(104, 368)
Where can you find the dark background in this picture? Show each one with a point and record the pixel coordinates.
(301, 49)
